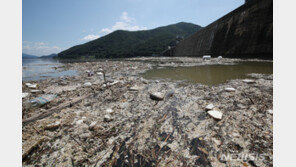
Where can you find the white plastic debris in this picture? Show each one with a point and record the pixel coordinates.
(210, 107)
(87, 84)
(215, 114)
(158, 96)
(107, 118)
(35, 91)
(270, 111)
(206, 57)
(109, 111)
(29, 85)
(25, 95)
(230, 89)
(135, 88)
(249, 81)
(113, 83)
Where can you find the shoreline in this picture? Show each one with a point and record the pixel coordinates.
(118, 122)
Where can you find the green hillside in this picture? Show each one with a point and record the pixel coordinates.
(119, 44)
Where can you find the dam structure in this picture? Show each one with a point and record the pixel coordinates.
(246, 32)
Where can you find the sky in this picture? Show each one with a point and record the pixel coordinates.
(51, 26)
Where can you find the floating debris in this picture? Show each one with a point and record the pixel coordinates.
(215, 114)
(158, 96)
(24, 95)
(249, 81)
(230, 89)
(209, 107)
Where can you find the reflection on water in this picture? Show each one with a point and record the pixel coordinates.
(210, 74)
(36, 69)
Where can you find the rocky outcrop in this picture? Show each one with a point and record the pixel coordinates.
(246, 32)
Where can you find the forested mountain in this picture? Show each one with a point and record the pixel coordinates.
(121, 44)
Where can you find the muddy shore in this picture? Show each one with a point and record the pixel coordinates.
(117, 122)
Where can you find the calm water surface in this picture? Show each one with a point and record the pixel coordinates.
(210, 74)
(37, 69)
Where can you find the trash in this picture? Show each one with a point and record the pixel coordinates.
(216, 141)
(113, 83)
(87, 84)
(35, 91)
(209, 107)
(270, 111)
(249, 81)
(158, 96)
(52, 126)
(107, 118)
(206, 57)
(170, 93)
(215, 114)
(60, 89)
(109, 111)
(25, 95)
(90, 74)
(219, 57)
(230, 89)
(39, 101)
(135, 88)
(29, 85)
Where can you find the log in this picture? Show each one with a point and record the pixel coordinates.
(54, 109)
(28, 148)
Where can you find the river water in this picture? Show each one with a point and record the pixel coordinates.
(210, 74)
(37, 69)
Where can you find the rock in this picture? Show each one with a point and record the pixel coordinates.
(135, 88)
(158, 96)
(25, 95)
(109, 111)
(107, 118)
(215, 114)
(99, 73)
(230, 89)
(270, 111)
(209, 107)
(87, 84)
(249, 81)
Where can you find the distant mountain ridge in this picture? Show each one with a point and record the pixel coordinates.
(122, 44)
(49, 56)
(27, 56)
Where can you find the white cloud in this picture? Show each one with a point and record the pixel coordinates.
(90, 37)
(39, 48)
(124, 17)
(126, 23)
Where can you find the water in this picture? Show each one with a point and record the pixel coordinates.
(37, 69)
(210, 74)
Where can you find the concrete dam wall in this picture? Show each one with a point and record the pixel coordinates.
(246, 32)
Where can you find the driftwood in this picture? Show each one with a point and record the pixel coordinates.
(30, 147)
(54, 109)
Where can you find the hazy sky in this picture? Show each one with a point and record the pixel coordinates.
(50, 26)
